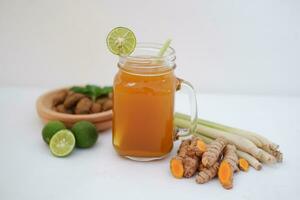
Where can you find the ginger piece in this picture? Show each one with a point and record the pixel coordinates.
(72, 99)
(206, 174)
(188, 159)
(59, 97)
(178, 160)
(197, 147)
(231, 157)
(183, 148)
(176, 164)
(225, 175)
(107, 105)
(176, 167)
(243, 164)
(83, 106)
(201, 146)
(201, 167)
(190, 165)
(96, 108)
(214, 150)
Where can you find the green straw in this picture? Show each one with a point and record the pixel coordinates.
(164, 48)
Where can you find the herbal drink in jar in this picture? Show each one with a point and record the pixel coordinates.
(143, 103)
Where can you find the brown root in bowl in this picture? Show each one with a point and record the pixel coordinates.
(83, 106)
(70, 102)
(72, 99)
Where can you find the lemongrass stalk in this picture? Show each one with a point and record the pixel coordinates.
(257, 139)
(267, 156)
(238, 131)
(164, 48)
(221, 127)
(251, 160)
(240, 142)
(205, 139)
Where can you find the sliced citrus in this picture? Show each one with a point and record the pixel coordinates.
(62, 143)
(121, 41)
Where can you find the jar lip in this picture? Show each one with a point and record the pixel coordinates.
(169, 55)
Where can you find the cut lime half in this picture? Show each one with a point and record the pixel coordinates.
(62, 143)
(121, 41)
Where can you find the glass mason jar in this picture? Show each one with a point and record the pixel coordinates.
(143, 103)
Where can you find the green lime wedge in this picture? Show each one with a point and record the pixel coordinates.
(62, 143)
(121, 41)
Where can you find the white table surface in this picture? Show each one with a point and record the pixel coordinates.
(29, 171)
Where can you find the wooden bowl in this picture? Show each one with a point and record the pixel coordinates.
(102, 120)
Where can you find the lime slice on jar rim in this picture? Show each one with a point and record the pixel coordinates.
(121, 41)
(62, 143)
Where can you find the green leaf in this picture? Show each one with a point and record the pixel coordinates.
(106, 90)
(82, 90)
(93, 91)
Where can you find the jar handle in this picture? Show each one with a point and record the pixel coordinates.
(183, 84)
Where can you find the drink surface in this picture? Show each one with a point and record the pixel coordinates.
(143, 110)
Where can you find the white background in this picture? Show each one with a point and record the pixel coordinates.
(226, 46)
(222, 46)
(28, 171)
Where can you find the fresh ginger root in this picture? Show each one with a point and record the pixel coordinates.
(193, 154)
(243, 164)
(231, 157)
(183, 148)
(206, 174)
(190, 159)
(199, 147)
(190, 165)
(214, 150)
(176, 166)
(185, 161)
(196, 148)
(176, 163)
(225, 175)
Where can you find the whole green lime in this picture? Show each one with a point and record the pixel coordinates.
(85, 133)
(50, 129)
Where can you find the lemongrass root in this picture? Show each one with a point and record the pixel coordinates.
(271, 158)
(251, 160)
(240, 142)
